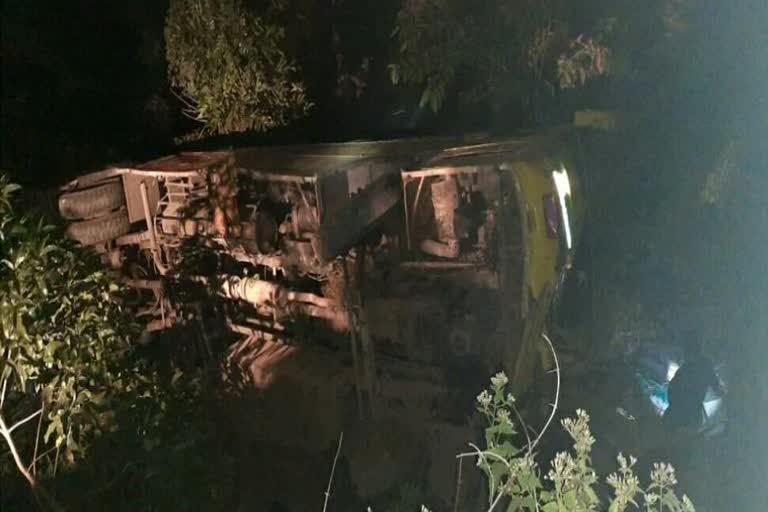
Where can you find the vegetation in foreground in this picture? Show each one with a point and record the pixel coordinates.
(77, 402)
(515, 482)
(65, 342)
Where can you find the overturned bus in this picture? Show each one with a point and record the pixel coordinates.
(425, 247)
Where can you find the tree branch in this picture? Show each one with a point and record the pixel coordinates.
(37, 439)
(46, 452)
(2, 393)
(557, 394)
(44, 500)
(333, 470)
(496, 501)
(6, 434)
(456, 496)
(483, 457)
(21, 422)
(480, 453)
(525, 427)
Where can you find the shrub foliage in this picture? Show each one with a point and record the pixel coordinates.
(230, 67)
(62, 348)
(496, 52)
(514, 477)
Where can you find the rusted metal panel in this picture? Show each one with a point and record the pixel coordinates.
(343, 227)
(334, 195)
(132, 187)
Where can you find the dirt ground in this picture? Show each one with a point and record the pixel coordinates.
(286, 430)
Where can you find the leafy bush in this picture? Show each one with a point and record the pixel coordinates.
(494, 52)
(63, 345)
(230, 66)
(569, 486)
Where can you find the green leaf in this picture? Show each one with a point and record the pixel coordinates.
(502, 429)
(50, 349)
(529, 503)
(529, 480)
(592, 495)
(670, 500)
(52, 426)
(72, 446)
(20, 328)
(507, 450)
(5, 320)
(569, 500)
(177, 374)
(10, 188)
